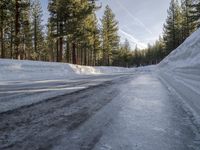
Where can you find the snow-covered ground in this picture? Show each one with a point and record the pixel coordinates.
(181, 71)
(15, 70)
(24, 83)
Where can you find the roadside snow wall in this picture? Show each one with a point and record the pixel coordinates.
(15, 70)
(181, 70)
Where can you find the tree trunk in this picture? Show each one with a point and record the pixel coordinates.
(85, 56)
(61, 49)
(74, 53)
(94, 52)
(88, 58)
(2, 43)
(77, 54)
(35, 35)
(17, 29)
(67, 53)
(2, 35)
(57, 50)
(57, 42)
(11, 43)
(81, 57)
(60, 41)
(108, 63)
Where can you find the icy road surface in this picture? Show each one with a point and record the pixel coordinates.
(118, 112)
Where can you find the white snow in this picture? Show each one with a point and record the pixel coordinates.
(17, 70)
(186, 55)
(181, 71)
(24, 73)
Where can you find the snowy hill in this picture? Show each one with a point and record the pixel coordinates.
(181, 70)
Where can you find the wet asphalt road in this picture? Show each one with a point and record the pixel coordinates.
(116, 112)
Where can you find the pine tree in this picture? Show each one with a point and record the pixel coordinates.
(96, 41)
(38, 38)
(67, 19)
(50, 44)
(109, 35)
(10, 29)
(127, 46)
(195, 13)
(172, 28)
(137, 56)
(2, 19)
(187, 24)
(90, 41)
(56, 20)
(25, 34)
(19, 7)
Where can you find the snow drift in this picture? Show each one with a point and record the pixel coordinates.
(15, 70)
(181, 70)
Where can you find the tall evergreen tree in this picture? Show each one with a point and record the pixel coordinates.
(137, 56)
(67, 18)
(187, 24)
(127, 45)
(25, 33)
(109, 35)
(38, 35)
(195, 13)
(20, 6)
(172, 28)
(3, 17)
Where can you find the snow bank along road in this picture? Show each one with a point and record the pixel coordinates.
(105, 112)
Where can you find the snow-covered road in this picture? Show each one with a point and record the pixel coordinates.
(115, 112)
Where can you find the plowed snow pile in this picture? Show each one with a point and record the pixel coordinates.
(15, 70)
(181, 70)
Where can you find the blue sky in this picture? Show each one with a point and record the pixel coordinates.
(140, 21)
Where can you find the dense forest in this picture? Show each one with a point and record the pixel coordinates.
(73, 33)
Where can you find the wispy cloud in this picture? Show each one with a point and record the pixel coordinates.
(138, 21)
(132, 39)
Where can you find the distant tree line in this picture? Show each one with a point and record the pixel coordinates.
(73, 33)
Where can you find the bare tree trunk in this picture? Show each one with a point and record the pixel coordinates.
(57, 43)
(74, 53)
(81, 57)
(108, 63)
(61, 49)
(17, 29)
(61, 41)
(77, 54)
(2, 36)
(94, 52)
(11, 45)
(24, 49)
(88, 57)
(67, 53)
(2, 43)
(57, 50)
(35, 35)
(85, 56)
